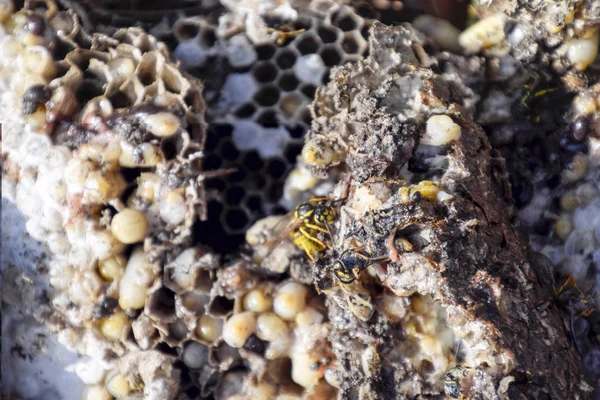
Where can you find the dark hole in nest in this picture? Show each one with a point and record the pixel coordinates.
(235, 195)
(229, 151)
(276, 168)
(131, 174)
(254, 203)
(212, 162)
(88, 90)
(120, 100)
(268, 119)
(163, 302)
(264, 72)
(288, 82)
(327, 35)
(166, 349)
(267, 96)
(286, 59)
(347, 23)
(308, 45)
(236, 219)
(245, 111)
(292, 152)
(169, 149)
(350, 45)
(212, 232)
(208, 37)
(188, 31)
(265, 51)
(252, 161)
(331, 57)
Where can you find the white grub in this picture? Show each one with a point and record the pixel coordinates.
(290, 300)
(297, 182)
(309, 316)
(483, 34)
(173, 207)
(316, 153)
(114, 327)
(129, 226)
(257, 300)
(440, 130)
(97, 393)
(271, 328)
(582, 52)
(146, 155)
(302, 373)
(90, 371)
(112, 268)
(117, 385)
(138, 276)
(209, 328)
(238, 329)
(162, 124)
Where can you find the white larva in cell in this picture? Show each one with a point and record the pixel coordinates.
(483, 34)
(113, 327)
(112, 268)
(209, 328)
(129, 226)
(289, 300)
(269, 327)
(302, 373)
(172, 208)
(117, 385)
(582, 52)
(97, 393)
(136, 280)
(162, 124)
(238, 329)
(440, 130)
(309, 316)
(257, 300)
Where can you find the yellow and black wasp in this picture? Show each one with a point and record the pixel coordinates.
(452, 382)
(351, 263)
(309, 219)
(541, 100)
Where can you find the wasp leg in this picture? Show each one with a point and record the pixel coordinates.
(314, 239)
(316, 227)
(309, 254)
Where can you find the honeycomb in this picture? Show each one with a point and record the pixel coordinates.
(259, 92)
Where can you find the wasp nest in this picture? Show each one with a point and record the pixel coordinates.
(102, 152)
(457, 293)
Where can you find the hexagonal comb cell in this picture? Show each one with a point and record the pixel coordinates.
(285, 75)
(264, 71)
(308, 44)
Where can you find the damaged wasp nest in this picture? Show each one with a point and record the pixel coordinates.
(424, 194)
(409, 281)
